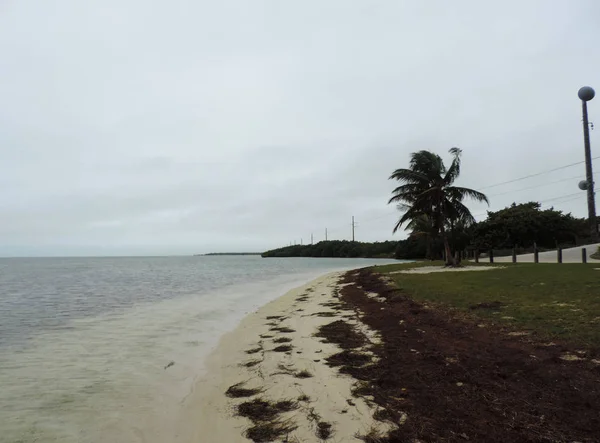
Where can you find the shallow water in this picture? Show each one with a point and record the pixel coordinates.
(84, 342)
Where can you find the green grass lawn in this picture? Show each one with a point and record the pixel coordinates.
(554, 300)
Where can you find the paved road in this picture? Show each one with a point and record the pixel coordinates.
(571, 255)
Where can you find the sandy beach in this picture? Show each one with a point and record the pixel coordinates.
(274, 364)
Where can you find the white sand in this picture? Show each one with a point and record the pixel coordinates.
(209, 416)
(431, 269)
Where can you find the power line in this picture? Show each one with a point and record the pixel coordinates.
(517, 190)
(562, 196)
(496, 195)
(536, 174)
(538, 186)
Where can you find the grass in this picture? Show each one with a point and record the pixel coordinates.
(555, 300)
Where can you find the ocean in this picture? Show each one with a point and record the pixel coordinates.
(107, 349)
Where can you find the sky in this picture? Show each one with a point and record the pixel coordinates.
(156, 127)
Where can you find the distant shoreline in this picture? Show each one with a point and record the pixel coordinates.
(227, 253)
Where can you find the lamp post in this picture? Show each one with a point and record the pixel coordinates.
(586, 94)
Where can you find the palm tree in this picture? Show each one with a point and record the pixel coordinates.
(427, 190)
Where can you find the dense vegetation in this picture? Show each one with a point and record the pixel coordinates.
(337, 248)
(521, 226)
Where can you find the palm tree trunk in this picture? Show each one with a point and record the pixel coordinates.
(428, 255)
(449, 258)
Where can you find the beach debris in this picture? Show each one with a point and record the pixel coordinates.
(253, 350)
(341, 333)
(171, 363)
(382, 414)
(261, 409)
(303, 374)
(251, 363)
(348, 358)
(282, 340)
(283, 329)
(324, 314)
(374, 435)
(270, 431)
(238, 391)
(324, 430)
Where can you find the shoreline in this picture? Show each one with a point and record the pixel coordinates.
(274, 351)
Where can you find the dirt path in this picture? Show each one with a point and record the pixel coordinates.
(440, 378)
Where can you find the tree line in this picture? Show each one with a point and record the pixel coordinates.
(520, 226)
(434, 211)
(337, 249)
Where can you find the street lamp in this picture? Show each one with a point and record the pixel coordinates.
(586, 94)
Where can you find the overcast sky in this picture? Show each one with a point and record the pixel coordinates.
(178, 127)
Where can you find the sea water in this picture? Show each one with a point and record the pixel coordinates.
(107, 349)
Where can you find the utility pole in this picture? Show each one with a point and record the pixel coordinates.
(352, 228)
(586, 94)
(311, 239)
(300, 241)
(325, 234)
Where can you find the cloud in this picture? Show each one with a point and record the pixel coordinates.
(133, 127)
